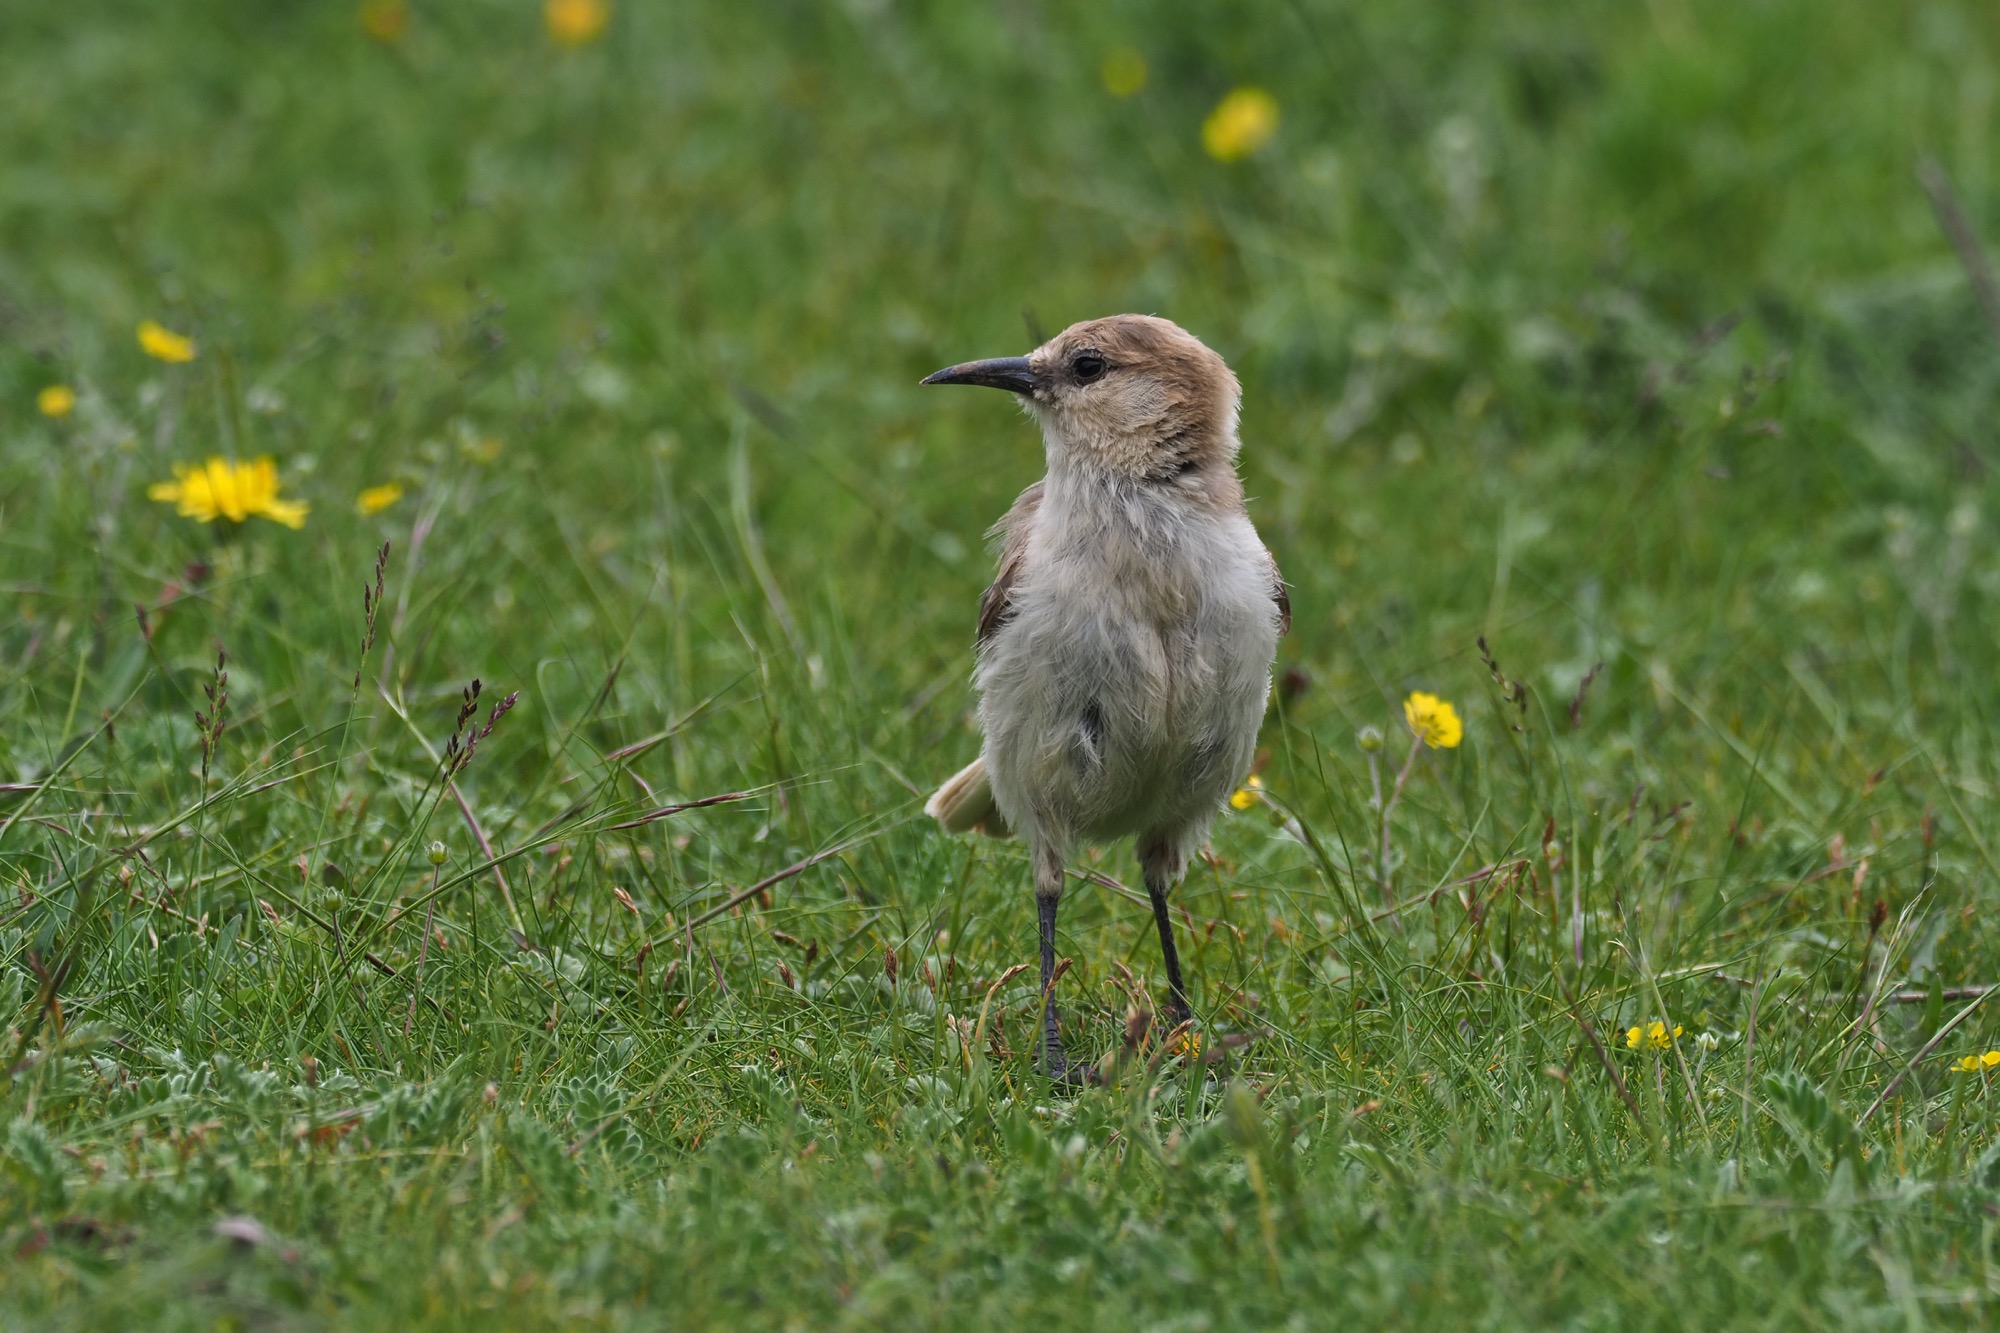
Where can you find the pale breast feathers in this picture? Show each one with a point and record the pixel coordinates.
(996, 604)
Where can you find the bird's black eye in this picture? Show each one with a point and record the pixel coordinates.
(1088, 366)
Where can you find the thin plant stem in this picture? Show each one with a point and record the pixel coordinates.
(423, 950)
(1395, 795)
(1950, 1147)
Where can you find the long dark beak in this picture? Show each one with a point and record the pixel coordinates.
(1012, 373)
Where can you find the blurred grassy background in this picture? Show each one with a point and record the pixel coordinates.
(1613, 334)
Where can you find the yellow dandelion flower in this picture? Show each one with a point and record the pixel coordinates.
(58, 400)
(1653, 1037)
(220, 488)
(385, 20)
(377, 498)
(163, 344)
(1433, 721)
(1123, 71)
(1248, 794)
(576, 22)
(1241, 123)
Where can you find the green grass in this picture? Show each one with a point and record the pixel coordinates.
(1614, 334)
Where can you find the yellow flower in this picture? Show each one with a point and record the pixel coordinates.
(1972, 1064)
(1653, 1037)
(1433, 721)
(377, 498)
(385, 20)
(1248, 794)
(1189, 1046)
(164, 344)
(235, 491)
(575, 22)
(58, 400)
(1241, 123)
(1123, 71)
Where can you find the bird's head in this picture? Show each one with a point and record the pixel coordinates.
(1135, 395)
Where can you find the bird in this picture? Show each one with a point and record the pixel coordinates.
(1125, 646)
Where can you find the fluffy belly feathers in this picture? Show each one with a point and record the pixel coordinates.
(1102, 720)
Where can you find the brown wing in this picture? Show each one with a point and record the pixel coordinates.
(996, 603)
(1280, 595)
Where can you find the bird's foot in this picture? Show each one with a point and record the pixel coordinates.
(1064, 1073)
(1061, 1072)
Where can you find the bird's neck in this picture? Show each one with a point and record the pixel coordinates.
(1190, 478)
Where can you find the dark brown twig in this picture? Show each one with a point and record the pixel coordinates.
(1582, 689)
(1603, 1056)
(666, 810)
(1875, 920)
(1944, 1030)
(1948, 993)
(796, 868)
(1104, 881)
(1893, 997)
(1958, 228)
(493, 862)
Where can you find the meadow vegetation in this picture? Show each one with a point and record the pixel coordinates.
(1608, 375)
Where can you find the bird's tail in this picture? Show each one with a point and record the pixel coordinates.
(965, 804)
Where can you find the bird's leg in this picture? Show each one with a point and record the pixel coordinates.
(1052, 1048)
(1048, 893)
(1157, 864)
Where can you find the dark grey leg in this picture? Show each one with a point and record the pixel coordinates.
(1053, 1062)
(1159, 878)
(1048, 893)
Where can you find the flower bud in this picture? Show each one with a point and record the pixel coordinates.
(438, 854)
(1369, 739)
